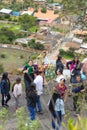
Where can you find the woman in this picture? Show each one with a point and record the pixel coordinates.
(28, 74)
(5, 89)
(56, 107)
(59, 75)
(59, 64)
(61, 87)
(75, 67)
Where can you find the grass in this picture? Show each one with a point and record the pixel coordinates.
(10, 26)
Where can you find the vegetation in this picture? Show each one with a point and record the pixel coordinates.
(6, 36)
(56, 11)
(75, 8)
(24, 122)
(35, 45)
(26, 21)
(13, 60)
(80, 124)
(3, 118)
(44, 10)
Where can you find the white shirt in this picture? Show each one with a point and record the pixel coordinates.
(59, 78)
(45, 60)
(39, 84)
(59, 106)
(17, 90)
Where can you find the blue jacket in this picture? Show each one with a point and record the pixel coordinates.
(5, 87)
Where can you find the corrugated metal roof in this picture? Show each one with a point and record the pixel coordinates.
(6, 11)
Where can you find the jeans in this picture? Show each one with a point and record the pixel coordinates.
(39, 103)
(32, 111)
(56, 120)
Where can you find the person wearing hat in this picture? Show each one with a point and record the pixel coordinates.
(5, 89)
(59, 75)
(17, 91)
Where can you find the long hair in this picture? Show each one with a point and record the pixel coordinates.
(5, 77)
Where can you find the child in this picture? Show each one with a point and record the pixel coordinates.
(31, 97)
(5, 89)
(17, 91)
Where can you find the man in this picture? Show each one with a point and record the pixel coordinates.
(39, 87)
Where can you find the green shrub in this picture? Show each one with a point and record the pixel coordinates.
(55, 11)
(44, 10)
(3, 55)
(24, 45)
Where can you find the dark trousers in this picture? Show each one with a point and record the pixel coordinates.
(76, 103)
(5, 98)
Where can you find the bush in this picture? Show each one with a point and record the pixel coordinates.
(55, 11)
(66, 54)
(3, 55)
(1, 68)
(35, 45)
(24, 45)
(44, 10)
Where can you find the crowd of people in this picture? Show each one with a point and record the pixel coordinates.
(34, 75)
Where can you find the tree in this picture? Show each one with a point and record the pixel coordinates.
(26, 21)
(6, 36)
(75, 8)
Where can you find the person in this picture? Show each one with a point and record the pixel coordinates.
(5, 89)
(31, 97)
(61, 87)
(56, 107)
(59, 110)
(45, 59)
(59, 75)
(28, 74)
(59, 64)
(75, 67)
(39, 87)
(17, 91)
(77, 88)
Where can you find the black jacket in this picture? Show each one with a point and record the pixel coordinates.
(31, 97)
(59, 65)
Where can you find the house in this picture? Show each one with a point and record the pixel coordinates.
(26, 12)
(40, 2)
